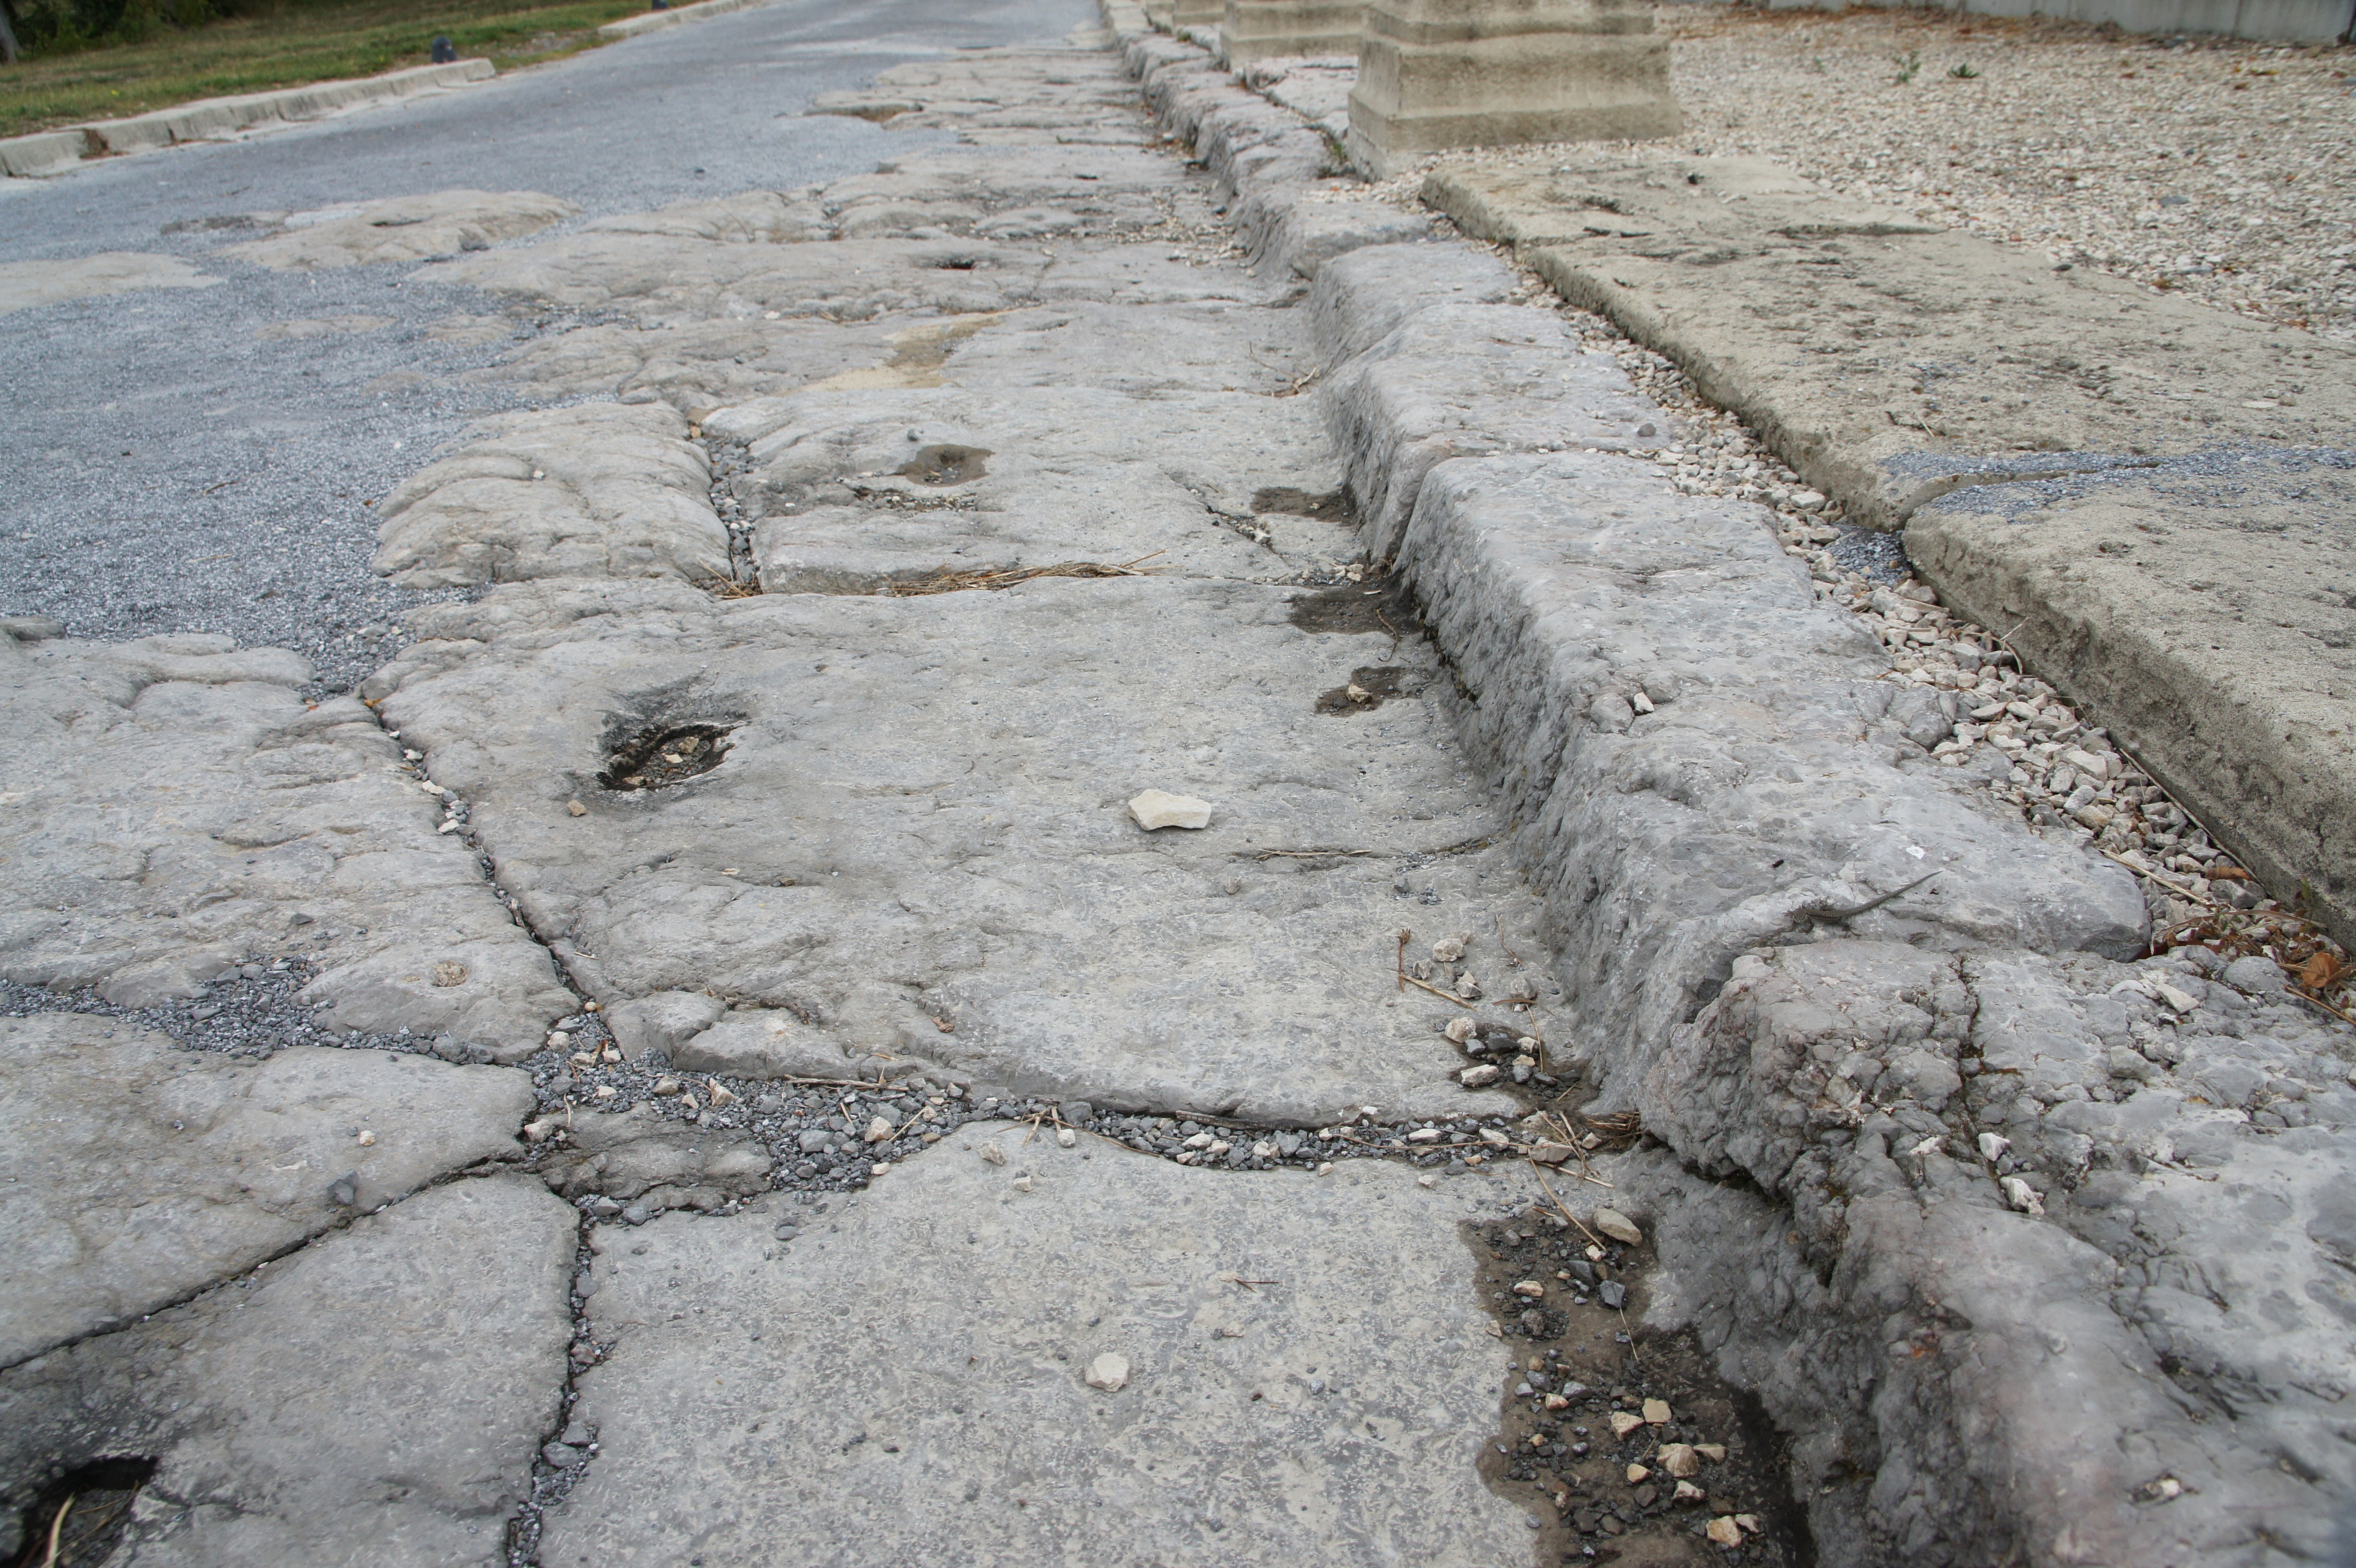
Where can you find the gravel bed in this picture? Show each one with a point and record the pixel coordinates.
(252, 1010)
(2217, 169)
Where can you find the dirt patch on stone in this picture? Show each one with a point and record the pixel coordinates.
(1376, 604)
(662, 756)
(1369, 687)
(81, 1518)
(1624, 1440)
(1332, 507)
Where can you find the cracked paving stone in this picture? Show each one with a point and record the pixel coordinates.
(1333, 1411)
(139, 1173)
(921, 817)
(176, 809)
(375, 1399)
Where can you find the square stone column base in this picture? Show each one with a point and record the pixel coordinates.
(1264, 29)
(1574, 75)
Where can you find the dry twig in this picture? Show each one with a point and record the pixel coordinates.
(950, 581)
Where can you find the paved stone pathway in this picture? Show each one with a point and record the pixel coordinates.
(697, 1059)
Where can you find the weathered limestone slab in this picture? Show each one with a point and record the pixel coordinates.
(403, 229)
(24, 284)
(865, 487)
(1336, 1416)
(138, 1174)
(1435, 74)
(1769, 785)
(603, 491)
(177, 809)
(2202, 607)
(2060, 1369)
(1887, 362)
(375, 1399)
(659, 280)
(1463, 380)
(638, 1158)
(920, 817)
(1254, 30)
(752, 217)
(1098, 189)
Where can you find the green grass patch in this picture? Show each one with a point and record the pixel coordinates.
(287, 45)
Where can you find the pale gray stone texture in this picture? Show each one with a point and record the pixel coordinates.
(958, 1424)
(921, 815)
(177, 809)
(138, 1174)
(373, 1399)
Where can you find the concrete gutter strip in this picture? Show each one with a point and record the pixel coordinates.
(1711, 783)
(655, 21)
(211, 119)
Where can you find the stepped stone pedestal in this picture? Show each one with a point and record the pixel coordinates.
(1265, 29)
(1177, 16)
(1435, 74)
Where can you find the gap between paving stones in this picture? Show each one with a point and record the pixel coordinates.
(2073, 1490)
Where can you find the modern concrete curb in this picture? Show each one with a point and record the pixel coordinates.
(210, 119)
(655, 21)
(1638, 668)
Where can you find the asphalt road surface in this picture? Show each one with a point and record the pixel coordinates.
(163, 468)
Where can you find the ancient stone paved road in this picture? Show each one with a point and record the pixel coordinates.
(682, 1053)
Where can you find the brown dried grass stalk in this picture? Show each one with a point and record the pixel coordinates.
(946, 581)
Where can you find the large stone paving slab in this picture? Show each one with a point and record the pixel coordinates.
(177, 809)
(1887, 360)
(425, 227)
(599, 490)
(1333, 1412)
(919, 820)
(138, 1174)
(376, 1398)
(2206, 609)
(864, 486)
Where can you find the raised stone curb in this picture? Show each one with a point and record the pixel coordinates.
(655, 21)
(210, 119)
(1964, 1341)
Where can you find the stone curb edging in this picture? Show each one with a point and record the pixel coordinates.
(1574, 592)
(655, 21)
(209, 119)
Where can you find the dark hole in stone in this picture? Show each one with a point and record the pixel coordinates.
(96, 1499)
(1375, 684)
(959, 263)
(1378, 605)
(1332, 507)
(945, 465)
(662, 756)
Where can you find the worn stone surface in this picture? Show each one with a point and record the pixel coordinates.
(1461, 380)
(376, 1398)
(860, 487)
(420, 228)
(610, 492)
(920, 815)
(636, 1159)
(177, 810)
(1888, 361)
(2138, 1332)
(1365, 1381)
(2203, 607)
(138, 1174)
(1975, 1235)
(23, 284)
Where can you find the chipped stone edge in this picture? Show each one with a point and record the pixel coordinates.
(48, 153)
(1186, 91)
